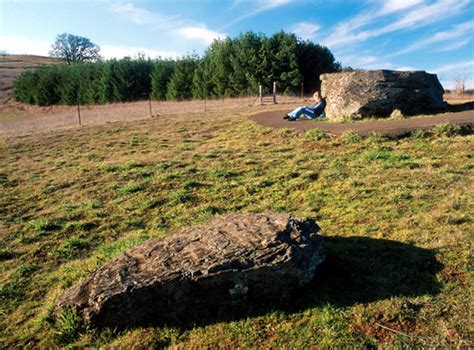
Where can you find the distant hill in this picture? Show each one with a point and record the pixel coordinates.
(11, 66)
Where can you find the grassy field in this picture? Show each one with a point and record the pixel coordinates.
(397, 216)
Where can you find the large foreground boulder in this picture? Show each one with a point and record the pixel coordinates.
(229, 264)
(359, 93)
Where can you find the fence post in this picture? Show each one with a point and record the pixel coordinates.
(205, 105)
(274, 92)
(79, 113)
(149, 105)
(260, 94)
(302, 90)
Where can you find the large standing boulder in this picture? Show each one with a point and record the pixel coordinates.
(229, 264)
(360, 93)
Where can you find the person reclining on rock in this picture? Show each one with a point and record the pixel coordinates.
(310, 112)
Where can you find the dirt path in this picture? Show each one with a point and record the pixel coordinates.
(391, 128)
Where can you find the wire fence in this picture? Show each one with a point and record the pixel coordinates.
(59, 117)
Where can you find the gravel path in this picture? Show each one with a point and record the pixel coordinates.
(391, 128)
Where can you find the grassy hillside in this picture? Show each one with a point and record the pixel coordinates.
(397, 216)
(11, 66)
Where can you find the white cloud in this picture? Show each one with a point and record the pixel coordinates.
(269, 4)
(428, 14)
(455, 67)
(235, 3)
(397, 5)
(449, 73)
(459, 30)
(365, 61)
(455, 46)
(171, 24)
(360, 61)
(119, 51)
(346, 33)
(140, 15)
(342, 34)
(258, 7)
(305, 30)
(22, 45)
(200, 33)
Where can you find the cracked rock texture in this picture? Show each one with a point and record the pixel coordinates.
(358, 94)
(228, 264)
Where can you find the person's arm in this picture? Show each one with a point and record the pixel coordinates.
(316, 106)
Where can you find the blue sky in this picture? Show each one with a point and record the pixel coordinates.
(432, 35)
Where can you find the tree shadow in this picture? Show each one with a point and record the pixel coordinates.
(356, 270)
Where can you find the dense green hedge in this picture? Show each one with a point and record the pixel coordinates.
(229, 67)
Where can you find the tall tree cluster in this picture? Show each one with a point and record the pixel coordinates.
(229, 67)
(100, 82)
(235, 67)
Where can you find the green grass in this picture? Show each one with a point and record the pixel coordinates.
(447, 129)
(397, 216)
(315, 134)
(351, 137)
(67, 325)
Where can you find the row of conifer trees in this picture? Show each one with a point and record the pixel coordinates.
(229, 67)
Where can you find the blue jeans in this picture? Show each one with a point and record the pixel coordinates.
(310, 112)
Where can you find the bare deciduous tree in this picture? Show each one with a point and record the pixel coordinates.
(459, 85)
(73, 48)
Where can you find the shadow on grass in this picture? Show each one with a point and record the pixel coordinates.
(362, 270)
(356, 270)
